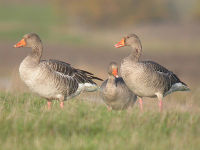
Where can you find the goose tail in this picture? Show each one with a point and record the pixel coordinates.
(180, 86)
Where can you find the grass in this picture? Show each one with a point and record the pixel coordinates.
(25, 123)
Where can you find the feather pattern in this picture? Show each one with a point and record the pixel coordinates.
(72, 78)
(67, 71)
(114, 91)
(52, 79)
(170, 77)
(116, 94)
(147, 78)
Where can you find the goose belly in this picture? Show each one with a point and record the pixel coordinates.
(39, 83)
(141, 89)
(108, 92)
(121, 101)
(116, 100)
(44, 90)
(138, 81)
(114, 96)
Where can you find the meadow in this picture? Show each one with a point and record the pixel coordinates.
(25, 123)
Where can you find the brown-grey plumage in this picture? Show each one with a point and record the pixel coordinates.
(114, 92)
(147, 78)
(52, 79)
(170, 77)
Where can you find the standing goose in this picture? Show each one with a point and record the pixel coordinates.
(147, 78)
(114, 91)
(52, 79)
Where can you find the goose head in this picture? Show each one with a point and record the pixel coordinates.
(130, 40)
(29, 40)
(113, 69)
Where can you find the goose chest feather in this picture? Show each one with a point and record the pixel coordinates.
(39, 79)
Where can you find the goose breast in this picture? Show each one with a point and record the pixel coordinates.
(40, 81)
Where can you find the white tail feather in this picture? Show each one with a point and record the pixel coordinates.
(177, 87)
(87, 87)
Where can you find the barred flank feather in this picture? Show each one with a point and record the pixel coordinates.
(72, 77)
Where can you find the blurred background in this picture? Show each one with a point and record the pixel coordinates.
(83, 32)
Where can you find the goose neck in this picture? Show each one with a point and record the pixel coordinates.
(111, 79)
(36, 53)
(135, 54)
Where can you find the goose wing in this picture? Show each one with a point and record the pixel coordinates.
(170, 77)
(67, 71)
(75, 79)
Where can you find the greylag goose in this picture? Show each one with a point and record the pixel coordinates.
(114, 92)
(52, 79)
(147, 78)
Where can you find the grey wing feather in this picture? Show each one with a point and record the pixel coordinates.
(65, 73)
(70, 76)
(169, 76)
(67, 70)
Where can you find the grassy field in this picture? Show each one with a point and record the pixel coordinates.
(25, 123)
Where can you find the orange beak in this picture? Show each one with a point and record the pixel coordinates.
(120, 43)
(115, 73)
(20, 43)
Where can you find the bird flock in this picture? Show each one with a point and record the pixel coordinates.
(57, 80)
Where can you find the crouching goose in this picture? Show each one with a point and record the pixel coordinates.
(114, 91)
(52, 79)
(147, 78)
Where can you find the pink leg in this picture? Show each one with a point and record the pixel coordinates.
(109, 108)
(160, 104)
(49, 105)
(61, 104)
(141, 104)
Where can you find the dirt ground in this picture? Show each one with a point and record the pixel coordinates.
(186, 66)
